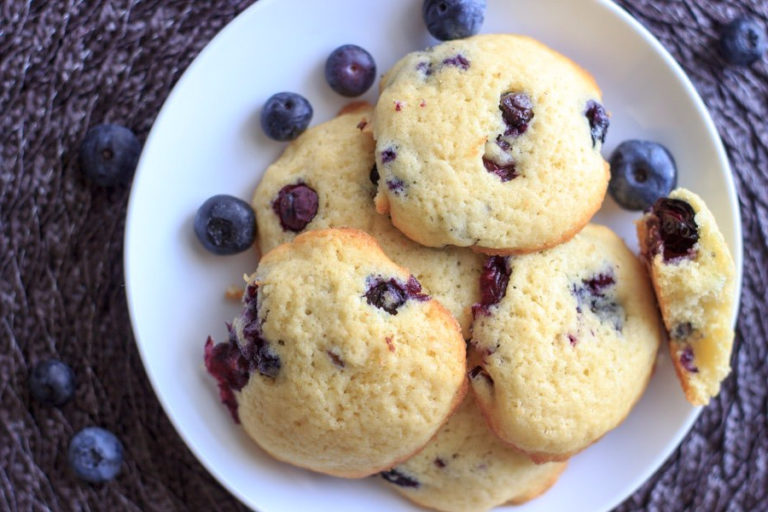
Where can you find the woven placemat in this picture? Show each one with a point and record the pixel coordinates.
(68, 64)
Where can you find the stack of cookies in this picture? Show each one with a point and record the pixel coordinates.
(439, 242)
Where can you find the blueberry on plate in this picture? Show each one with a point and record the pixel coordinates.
(95, 454)
(108, 154)
(52, 382)
(225, 224)
(453, 19)
(641, 172)
(743, 41)
(285, 116)
(350, 70)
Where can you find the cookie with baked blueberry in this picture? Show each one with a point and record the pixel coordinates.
(327, 179)
(339, 361)
(694, 277)
(564, 343)
(490, 142)
(465, 468)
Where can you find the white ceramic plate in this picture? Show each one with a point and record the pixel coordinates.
(207, 140)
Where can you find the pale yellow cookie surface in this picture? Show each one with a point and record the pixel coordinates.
(465, 468)
(353, 369)
(562, 358)
(336, 160)
(697, 297)
(438, 126)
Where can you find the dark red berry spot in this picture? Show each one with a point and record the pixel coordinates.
(362, 124)
(397, 477)
(506, 172)
(335, 358)
(295, 206)
(572, 339)
(479, 371)
(398, 106)
(439, 462)
(672, 229)
(686, 359)
(598, 121)
(390, 344)
(517, 111)
(458, 60)
(493, 283)
(225, 362)
(388, 155)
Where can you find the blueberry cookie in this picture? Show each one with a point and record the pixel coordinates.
(467, 468)
(339, 362)
(491, 142)
(694, 277)
(327, 179)
(564, 342)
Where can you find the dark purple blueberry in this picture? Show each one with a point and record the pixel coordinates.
(285, 116)
(386, 295)
(453, 19)
(458, 61)
(503, 144)
(295, 206)
(641, 172)
(388, 155)
(109, 154)
(440, 463)
(506, 172)
(573, 340)
(598, 121)
(225, 362)
(52, 383)
(350, 70)
(672, 229)
(225, 224)
(479, 371)
(595, 295)
(424, 67)
(390, 294)
(95, 455)
(681, 331)
(743, 41)
(397, 477)
(493, 283)
(686, 359)
(374, 176)
(396, 185)
(517, 111)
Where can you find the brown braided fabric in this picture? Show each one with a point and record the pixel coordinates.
(68, 64)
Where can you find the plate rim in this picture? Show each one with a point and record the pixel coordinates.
(659, 50)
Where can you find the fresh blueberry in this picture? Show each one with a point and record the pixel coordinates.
(52, 382)
(743, 41)
(295, 206)
(641, 172)
(672, 229)
(350, 70)
(285, 116)
(108, 154)
(453, 19)
(598, 121)
(225, 224)
(95, 454)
